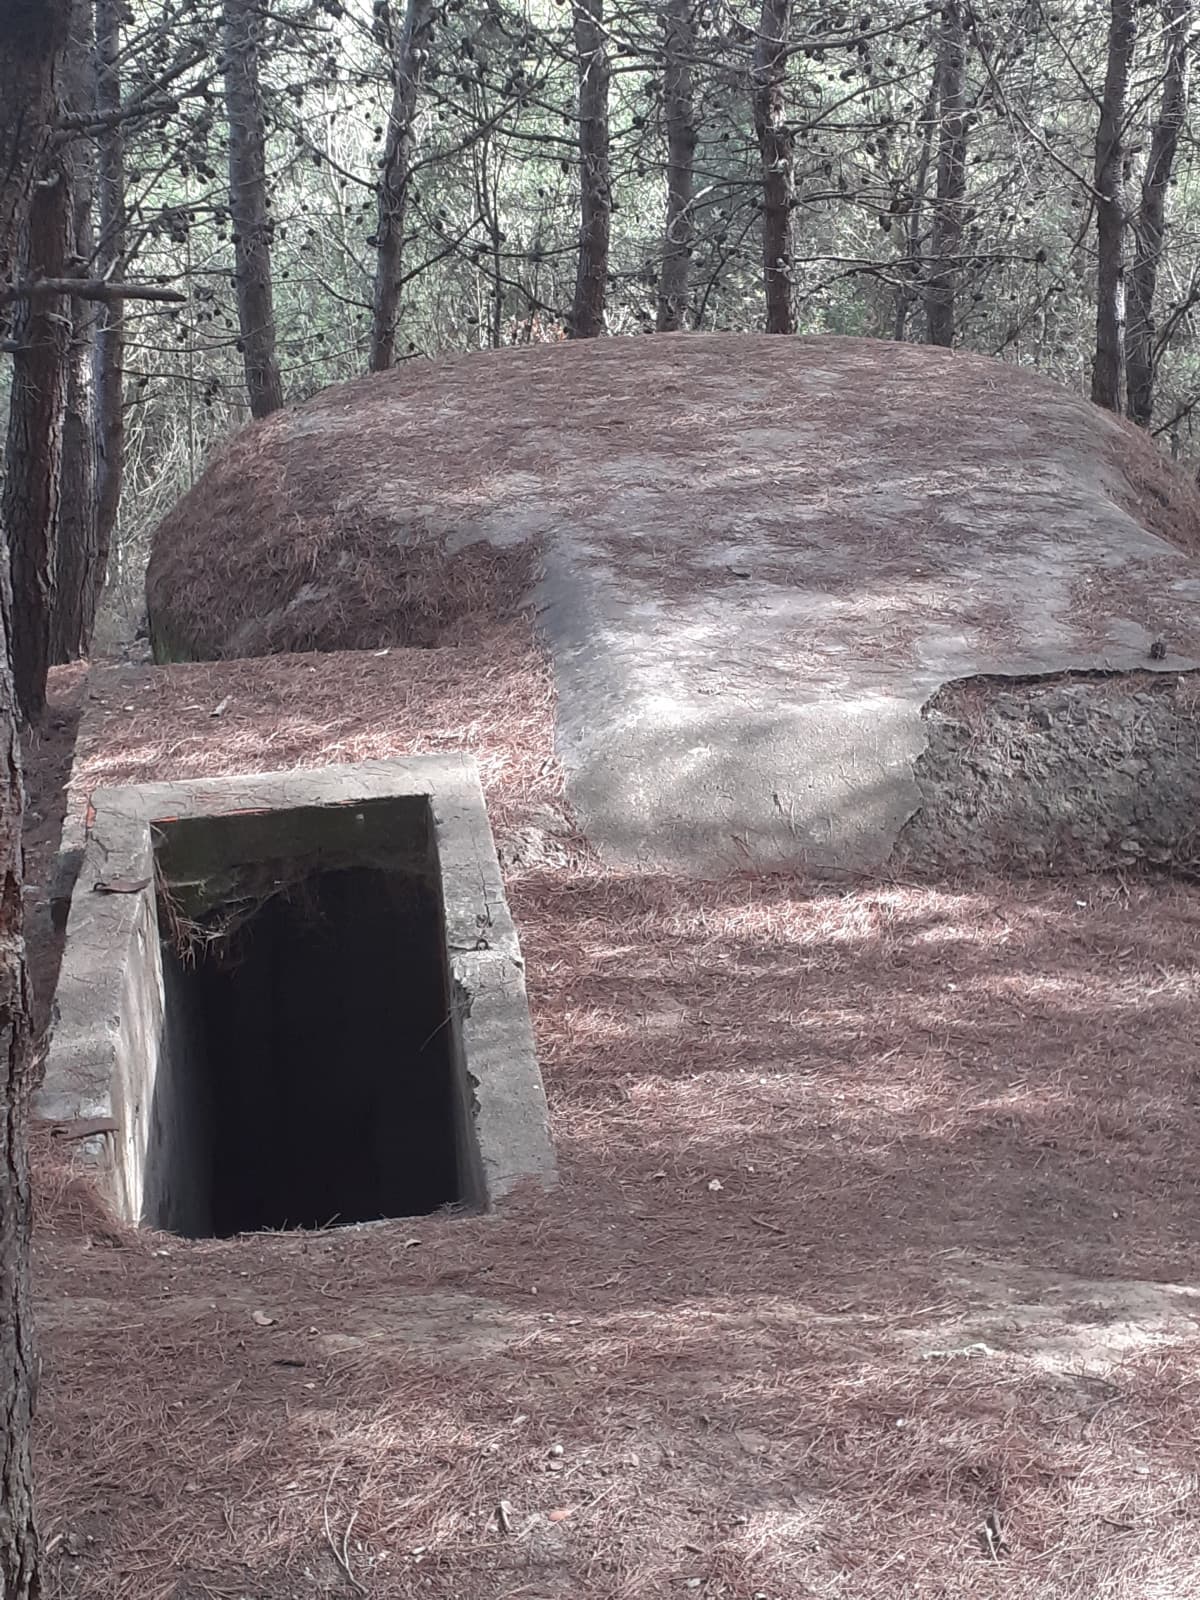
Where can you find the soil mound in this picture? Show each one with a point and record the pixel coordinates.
(753, 562)
(395, 509)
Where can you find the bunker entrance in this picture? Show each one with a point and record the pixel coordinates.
(310, 1075)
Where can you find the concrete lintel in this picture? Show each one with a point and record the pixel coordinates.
(285, 791)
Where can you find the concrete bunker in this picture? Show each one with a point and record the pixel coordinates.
(297, 1001)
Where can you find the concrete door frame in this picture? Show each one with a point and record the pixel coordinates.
(109, 1013)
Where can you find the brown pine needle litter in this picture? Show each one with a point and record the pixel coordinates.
(867, 1274)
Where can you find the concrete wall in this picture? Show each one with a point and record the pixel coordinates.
(107, 1018)
(124, 1049)
(177, 1171)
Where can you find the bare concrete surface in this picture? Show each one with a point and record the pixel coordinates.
(759, 559)
(1060, 1321)
(117, 1047)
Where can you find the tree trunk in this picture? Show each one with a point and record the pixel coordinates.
(680, 44)
(946, 232)
(407, 68)
(595, 184)
(908, 290)
(77, 582)
(19, 1555)
(1150, 223)
(778, 168)
(31, 38)
(18, 1369)
(31, 42)
(1108, 366)
(109, 352)
(249, 209)
(75, 541)
(33, 460)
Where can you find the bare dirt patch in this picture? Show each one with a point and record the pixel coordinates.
(879, 1219)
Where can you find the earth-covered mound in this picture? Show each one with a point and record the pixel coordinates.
(753, 561)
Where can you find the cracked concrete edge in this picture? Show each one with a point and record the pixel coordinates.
(827, 782)
(508, 1103)
(104, 1012)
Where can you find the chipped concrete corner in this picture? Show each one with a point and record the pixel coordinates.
(112, 1030)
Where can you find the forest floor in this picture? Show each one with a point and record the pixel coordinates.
(874, 1268)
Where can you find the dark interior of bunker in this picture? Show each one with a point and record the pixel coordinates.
(310, 1075)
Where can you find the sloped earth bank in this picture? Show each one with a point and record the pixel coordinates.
(879, 1228)
(752, 560)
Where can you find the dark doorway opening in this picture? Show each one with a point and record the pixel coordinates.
(311, 1078)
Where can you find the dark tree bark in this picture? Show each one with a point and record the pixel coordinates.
(679, 109)
(908, 290)
(75, 542)
(1150, 222)
(775, 144)
(77, 580)
(249, 207)
(32, 36)
(19, 1556)
(109, 352)
(595, 182)
(33, 461)
(946, 232)
(411, 51)
(32, 39)
(1109, 363)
